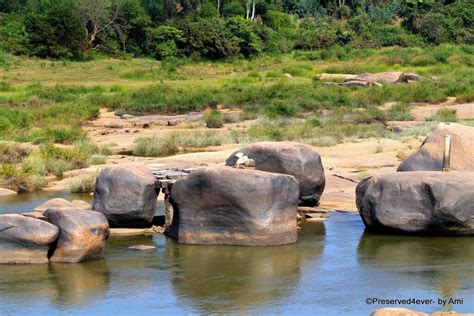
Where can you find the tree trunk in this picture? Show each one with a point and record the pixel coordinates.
(247, 10)
(253, 10)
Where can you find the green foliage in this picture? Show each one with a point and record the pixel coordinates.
(277, 20)
(84, 184)
(250, 44)
(444, 115)
(399, 112)
(175, 141)
(213, 119)
(56, 33)
(14, 37)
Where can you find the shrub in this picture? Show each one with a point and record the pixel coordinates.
(370, 115)
(213, 119)
(444, 115)
(279, 109)
(178, 141)
(84, 184)
(399, 112)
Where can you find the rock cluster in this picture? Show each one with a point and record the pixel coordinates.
(58, 231)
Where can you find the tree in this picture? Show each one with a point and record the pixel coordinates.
(56, 33)
(99, 17)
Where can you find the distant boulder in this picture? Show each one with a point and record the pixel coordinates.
(430, 155)
(56, 202)
(419, 202)
(24, 239)
(82, 234)
(126, 195)
(289, 158)
(224, 205)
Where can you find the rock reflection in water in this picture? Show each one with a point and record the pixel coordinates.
(64, 285)
(445, 264)
(239, 279)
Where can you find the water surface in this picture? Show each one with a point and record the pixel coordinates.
(331, 270)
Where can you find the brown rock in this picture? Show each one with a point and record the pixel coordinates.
(82, 205)
(419, 202)
(223, 205)
(289, 158)
(82, 234)
(142, 247)
(24, 239)
(56, 202)
(6, 192)
(396, 311)
(126, 195)
(430, 155)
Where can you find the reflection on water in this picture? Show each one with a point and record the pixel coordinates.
(331, 270)
(445, 264)
(64, 285)
(234, 278)
(26, 202)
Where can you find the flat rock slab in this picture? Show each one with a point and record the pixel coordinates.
(142, 247)
(6, 192)
(289, 158)
(423, 203)
(82, 234)
(25, 240)
(126, 231)
(430, 155)
(225, 205)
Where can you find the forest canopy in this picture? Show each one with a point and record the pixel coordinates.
(202, 29)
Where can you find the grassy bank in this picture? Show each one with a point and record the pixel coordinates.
(45, 102)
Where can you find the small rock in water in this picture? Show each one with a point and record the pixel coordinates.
(142, 247)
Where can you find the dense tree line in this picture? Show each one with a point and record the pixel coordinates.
(213, 29)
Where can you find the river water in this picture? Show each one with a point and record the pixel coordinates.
(332, 269)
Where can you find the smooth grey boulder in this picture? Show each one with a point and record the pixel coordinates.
(224, 205)
(289, 158)
(430, 155)
(82, 234)
(126, 195)
(24, 239)
(419, 202)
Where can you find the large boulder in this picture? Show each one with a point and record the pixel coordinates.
(82, 234)
(419, 202)
(24, 239)
(223, 205)
(126, 195)
(430, 155)
(289, 158)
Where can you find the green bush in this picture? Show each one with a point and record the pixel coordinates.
(444, 115)
(279, 109)
(213, 119)
(399, 112)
